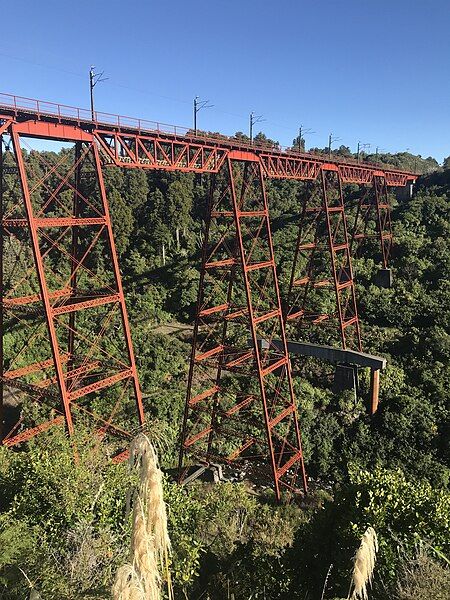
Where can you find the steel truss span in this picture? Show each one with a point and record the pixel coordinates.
(73, 350)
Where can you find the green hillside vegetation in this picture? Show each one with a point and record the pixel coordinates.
(63, 530)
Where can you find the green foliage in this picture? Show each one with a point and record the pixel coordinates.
(244, 539)
(63, 520)
(402, 512)
(184, 511)
(63, 525)
(423, 578)
(405, 513)
(16, 543)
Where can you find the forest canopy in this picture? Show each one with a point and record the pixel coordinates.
(63, 529)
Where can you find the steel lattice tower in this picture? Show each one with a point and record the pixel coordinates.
(373, 208)
(66, 305)
(239, 315)
(322, 287)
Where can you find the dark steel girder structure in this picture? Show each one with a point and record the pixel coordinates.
(222, 418)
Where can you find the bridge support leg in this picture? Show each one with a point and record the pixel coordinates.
(374, 390)
(323, 266)
(341, 261)
(373, 206)
(384, 225)
(74, 252)
(58, 225)
(240, 402)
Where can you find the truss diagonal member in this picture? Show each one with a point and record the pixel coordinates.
(63, 179)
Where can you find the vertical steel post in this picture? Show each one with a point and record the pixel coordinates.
(384, 226)
(41, 278)
(1, 291)
(118, 281)
(200, 294)
(74, 252)
(332, 255)
(343, 273)
(236, 209)
(220, 367)
(283, 330)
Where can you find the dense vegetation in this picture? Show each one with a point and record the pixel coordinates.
(62, 526)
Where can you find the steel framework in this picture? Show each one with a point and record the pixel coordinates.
(71, 333)
(373, 208)
(137, 143)
(322, 288)
(239, 305)
(73, 337)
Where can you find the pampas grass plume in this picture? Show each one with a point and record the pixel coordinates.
(364, 565)
(150, 543)
(143, 455)
(127, 585)
(143, 553)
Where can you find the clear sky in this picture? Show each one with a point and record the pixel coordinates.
(377, 71)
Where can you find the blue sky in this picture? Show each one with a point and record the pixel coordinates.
(376, 71)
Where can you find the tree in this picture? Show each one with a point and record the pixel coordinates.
(122, 219)
(299, 143)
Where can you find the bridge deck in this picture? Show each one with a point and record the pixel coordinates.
(126, 132)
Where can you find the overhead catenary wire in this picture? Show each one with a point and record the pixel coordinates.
(150, 93)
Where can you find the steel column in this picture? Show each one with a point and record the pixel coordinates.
(341, 261)
(118, 281)
(384, 226)
(42, 280)
(74, 251)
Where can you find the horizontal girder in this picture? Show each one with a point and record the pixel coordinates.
(135, 143)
